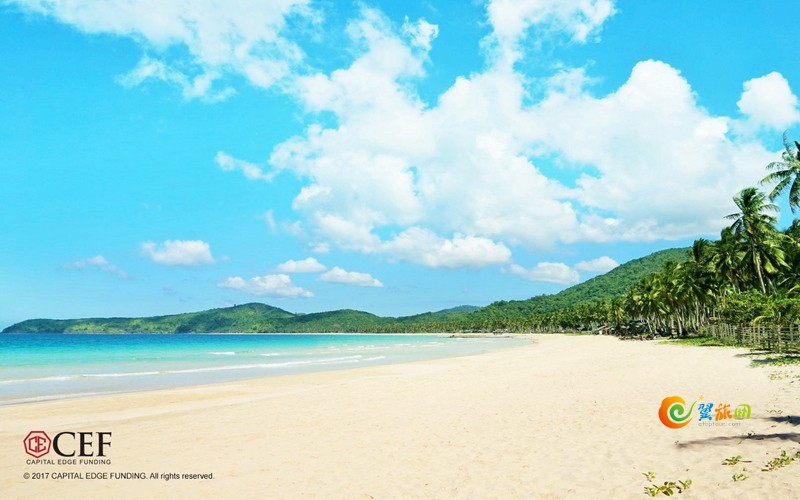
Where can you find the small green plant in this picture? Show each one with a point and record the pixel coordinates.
(668, 488)
(649, 475)
(739, 477)
(782, 374)
(781, 461)
(732, 460)
(703, 341)
(777, 360)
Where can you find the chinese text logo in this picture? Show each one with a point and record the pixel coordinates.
(674, 414)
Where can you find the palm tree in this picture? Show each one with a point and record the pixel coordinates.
(754, 227)
(786, 174)
(726, 260)
(702, 251)
(791, 246)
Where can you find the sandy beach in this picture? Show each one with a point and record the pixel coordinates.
(564, 417)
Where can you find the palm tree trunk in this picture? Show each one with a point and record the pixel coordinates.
(757, 263)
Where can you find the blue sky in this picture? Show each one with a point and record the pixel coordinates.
(393, 157)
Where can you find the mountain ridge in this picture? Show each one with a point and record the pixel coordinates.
(256, 317)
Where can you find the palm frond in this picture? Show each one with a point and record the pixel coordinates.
(794, 195)
(776, 165)
(779, 188)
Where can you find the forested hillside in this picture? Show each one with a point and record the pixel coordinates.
(256, 317)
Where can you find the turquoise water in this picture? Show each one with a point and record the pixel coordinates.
(39, 367)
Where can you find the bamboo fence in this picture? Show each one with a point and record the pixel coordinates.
(780, 339)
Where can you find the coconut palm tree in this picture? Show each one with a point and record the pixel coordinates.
(754, 227)
(786, 174)
(726, 260)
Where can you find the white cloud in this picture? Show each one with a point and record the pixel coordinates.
(243, 37)
(768, 101)
(560, 273)
(578, 18)
(396, 177)
(424, 247)
(272, 285)
(421, 34)
(599, 265)
(662, 167)
(250, 170)
(269, 218)
(98, 262)
(178, 253)
(198, 87)
(455, 168)
(309, 265)
(339, 275)
(483, 168)
(510, 19)
(549, 272)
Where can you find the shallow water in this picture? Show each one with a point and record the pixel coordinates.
(38, 367)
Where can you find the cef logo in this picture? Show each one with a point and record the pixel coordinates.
(67, 444)
(37, 444)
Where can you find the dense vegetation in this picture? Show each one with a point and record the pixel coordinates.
(750, 276)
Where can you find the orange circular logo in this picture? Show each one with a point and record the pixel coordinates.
(673, 412)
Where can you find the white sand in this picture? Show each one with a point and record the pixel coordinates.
(566, 417)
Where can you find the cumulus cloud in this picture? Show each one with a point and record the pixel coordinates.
(662, 167)
(560, 273)
(456, 168)
(656, 165)
(339, 275)
(510, 20)
(768, 101)
(424, 247)
(271, 285)
(421, 33)
(178, 252)
(599, 265)
(482, 169)
(250, 170)
(578, 18)
(309, 265)
(244, 38)
(97, 262)
(199, 86)
(548, 272)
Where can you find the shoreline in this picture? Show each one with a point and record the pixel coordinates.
(565, 416)
(269, 355)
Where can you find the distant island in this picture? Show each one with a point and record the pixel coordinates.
(522, 315)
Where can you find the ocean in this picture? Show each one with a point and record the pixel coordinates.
(40, 367)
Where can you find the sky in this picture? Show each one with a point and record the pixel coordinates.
(393, 157)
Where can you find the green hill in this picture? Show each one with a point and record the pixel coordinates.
(245, 318)
(458, 309)
(604, 287)
(256, 317)
(345, 320)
